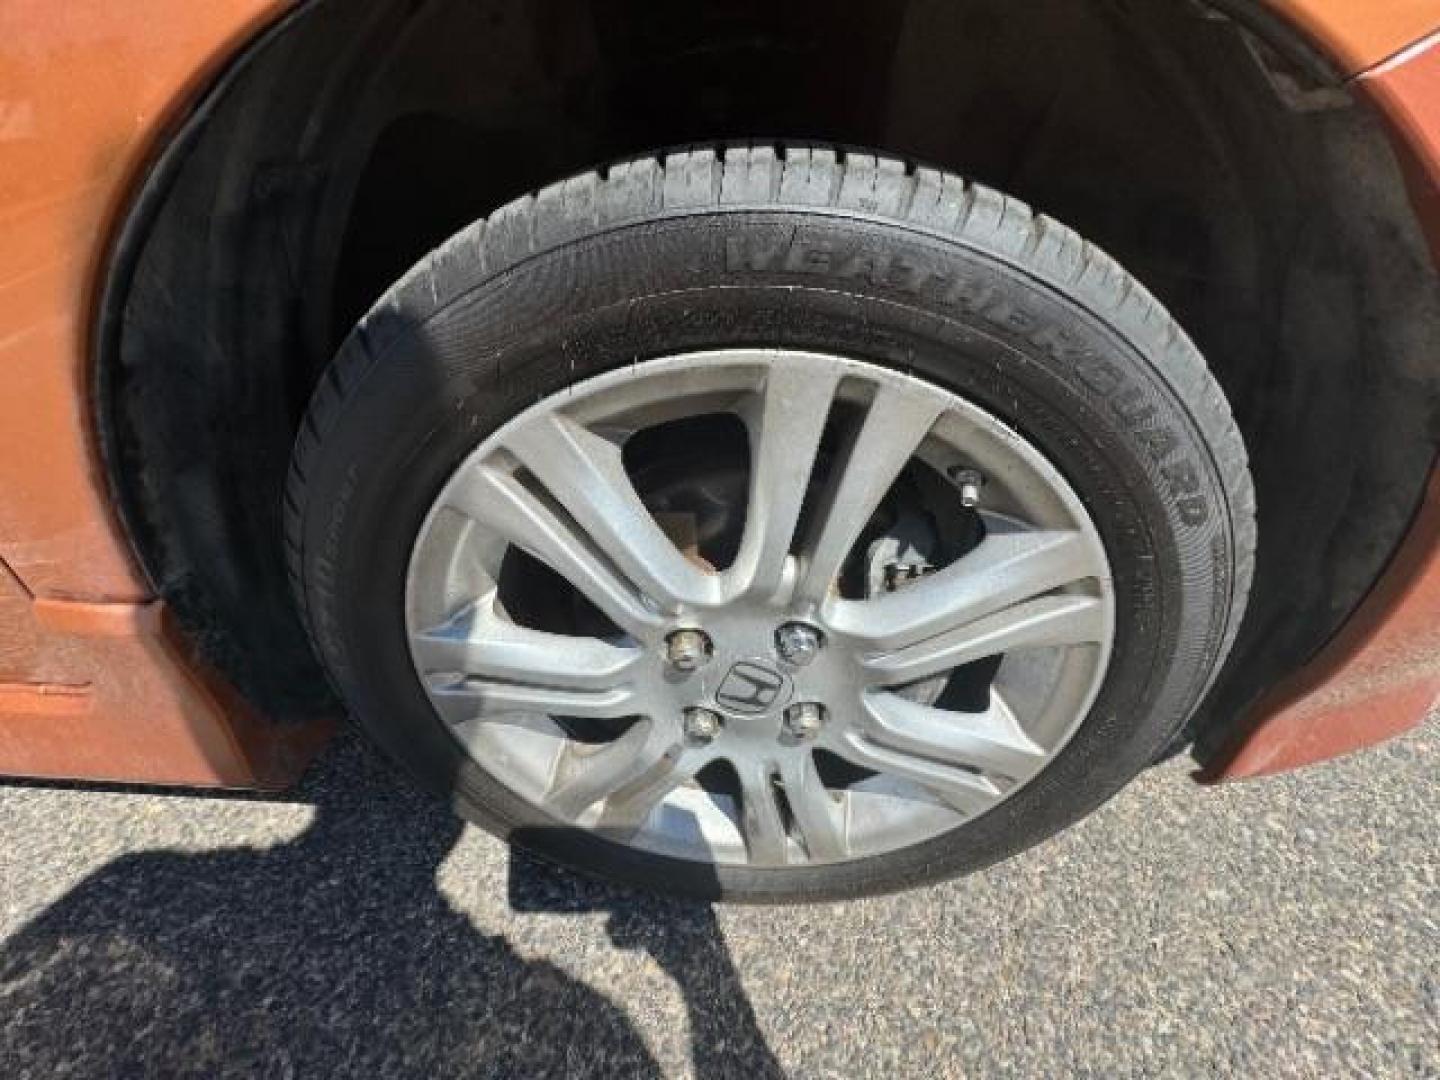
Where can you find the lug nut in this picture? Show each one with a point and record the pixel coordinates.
(702, 725)
(797, 643)
(688, 650)
(805, 720)
(971, 482)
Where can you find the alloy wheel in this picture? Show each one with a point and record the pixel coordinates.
(835, 683)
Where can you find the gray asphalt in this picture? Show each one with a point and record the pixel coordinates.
(1284, 928)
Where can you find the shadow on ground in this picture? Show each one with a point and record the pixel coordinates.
(336, 954)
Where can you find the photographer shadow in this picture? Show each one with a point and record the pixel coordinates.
(335, 954)
(684, 938)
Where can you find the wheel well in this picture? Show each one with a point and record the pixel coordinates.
(1247, 189)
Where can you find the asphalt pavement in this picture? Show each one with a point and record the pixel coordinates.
(353, 928)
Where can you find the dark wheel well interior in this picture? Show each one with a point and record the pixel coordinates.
(1250, 192)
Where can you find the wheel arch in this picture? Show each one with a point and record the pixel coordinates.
(225, 294)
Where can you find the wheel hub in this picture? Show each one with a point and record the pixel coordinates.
(753, 687)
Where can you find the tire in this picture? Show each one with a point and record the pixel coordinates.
(912, 270)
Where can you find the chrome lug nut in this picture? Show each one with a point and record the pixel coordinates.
(971, 482)
(688, 650)
(797, 643)
(702, 725)
(805, 720)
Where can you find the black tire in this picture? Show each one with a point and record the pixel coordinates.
(809, 248)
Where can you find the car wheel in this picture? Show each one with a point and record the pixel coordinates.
(771, 524)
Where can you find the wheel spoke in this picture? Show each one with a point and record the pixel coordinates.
(819, 818)
(627, 809)
(896, 423)
(1046, 622)
(463, 700)
(585, 473)
(480, 644)
(761, 822)
(859, 739)
(992, 741)
(497, 500)
(785, 430)
(1006, 570)
(620, 769)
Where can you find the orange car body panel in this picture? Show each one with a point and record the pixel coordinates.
(88, 89)
(95, 681)
(109, 692)
(1357, 34)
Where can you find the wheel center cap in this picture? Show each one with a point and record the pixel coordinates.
(752, 687)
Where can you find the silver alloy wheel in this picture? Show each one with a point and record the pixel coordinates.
(553, 482)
